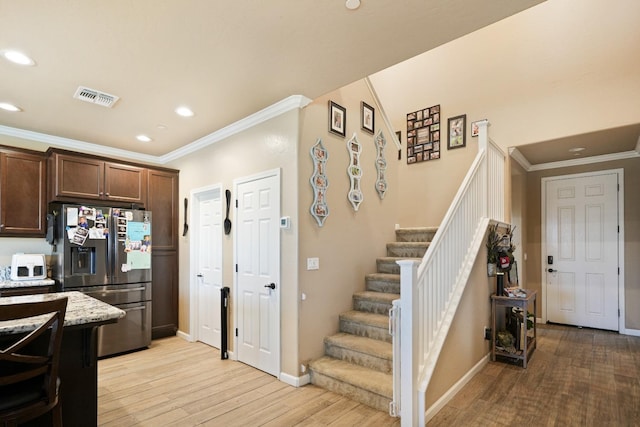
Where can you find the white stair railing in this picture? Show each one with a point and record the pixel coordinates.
(430, 290)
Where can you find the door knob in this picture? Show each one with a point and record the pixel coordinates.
(551, 270)
(270, 286)
(198, 275)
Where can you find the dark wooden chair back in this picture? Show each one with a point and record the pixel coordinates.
(29, 362)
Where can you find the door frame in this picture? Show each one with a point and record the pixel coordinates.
(236, 182)
(194, 224)
(543, 238)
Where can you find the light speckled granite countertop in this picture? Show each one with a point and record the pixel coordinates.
(8, 284)
(81, 309)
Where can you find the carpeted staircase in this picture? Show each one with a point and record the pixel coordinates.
(358, 359)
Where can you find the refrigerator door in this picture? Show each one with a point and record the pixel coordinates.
(83, 258)
(131, 243)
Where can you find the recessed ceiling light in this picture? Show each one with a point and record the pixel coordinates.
(353, 4)
(9, 107)
(576, 149)
(143, 138)
(18, 57)
(184, 112)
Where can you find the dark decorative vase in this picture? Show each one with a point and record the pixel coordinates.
(500, 284)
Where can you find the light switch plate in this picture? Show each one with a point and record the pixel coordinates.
(313, 263)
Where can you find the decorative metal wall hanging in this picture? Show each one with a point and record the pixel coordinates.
(319, 182)
(354, 171)
(381, 164)
(423, 135)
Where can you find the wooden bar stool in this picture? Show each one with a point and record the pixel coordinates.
(29, 363)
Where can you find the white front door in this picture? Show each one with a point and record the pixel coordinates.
(207, 253)
(582, 239)
(258, 271)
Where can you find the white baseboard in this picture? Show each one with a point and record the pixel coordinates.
(185, 336)
(449, 394)
(632, 332)
(295, 381)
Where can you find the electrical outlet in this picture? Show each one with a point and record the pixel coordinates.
(487, 333)
(313, 263)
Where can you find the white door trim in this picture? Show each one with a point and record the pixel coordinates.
(193, 245)
(543, 239)
(236, 183)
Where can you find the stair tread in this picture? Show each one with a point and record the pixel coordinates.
(360, 344)
(378, 320)
(390, 277)
(397, 258)
(416, 244)
(413, 229)
(377, 296)
(359, 376)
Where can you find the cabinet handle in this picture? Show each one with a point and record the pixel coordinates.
(107, 194)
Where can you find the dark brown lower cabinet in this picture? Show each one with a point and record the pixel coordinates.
(164, 306)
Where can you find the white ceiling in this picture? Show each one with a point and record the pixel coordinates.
(225, 60)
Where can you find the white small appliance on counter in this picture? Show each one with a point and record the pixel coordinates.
(28, 267)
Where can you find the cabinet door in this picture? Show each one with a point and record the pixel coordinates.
(164, 294)
(22, 194)
(163, 204)
(125, 183)
(77, 177)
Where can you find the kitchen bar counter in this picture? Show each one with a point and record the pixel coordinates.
(81, 310)
(9, 288)
(10, 284)
(79, 352)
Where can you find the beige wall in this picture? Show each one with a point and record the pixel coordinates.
(519, 216)
(269, 145)
(349, 241)
(465, 345)
(631, 230)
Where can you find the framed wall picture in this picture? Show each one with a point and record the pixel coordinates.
(423, 135)
(337, 119)
(475, 129)
(457, 135)
(367, 117)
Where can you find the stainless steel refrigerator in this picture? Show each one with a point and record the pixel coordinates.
(105, 252)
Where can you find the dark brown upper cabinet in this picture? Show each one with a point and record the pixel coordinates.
(22, 192)
(75, 177)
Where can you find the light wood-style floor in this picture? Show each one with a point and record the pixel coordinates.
(177, 383)
(576, 377)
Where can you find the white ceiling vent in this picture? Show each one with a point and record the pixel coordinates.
(95, 97)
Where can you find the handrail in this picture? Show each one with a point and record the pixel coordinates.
(430, 290)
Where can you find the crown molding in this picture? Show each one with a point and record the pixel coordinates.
(517, 156)
(274, 110)
(76, 145)
(291, 103)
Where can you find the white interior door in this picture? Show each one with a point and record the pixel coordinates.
(208, 268)
(258, 271)
(582, 237)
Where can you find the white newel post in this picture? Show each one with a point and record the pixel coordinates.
(483, 144)
(409, 330)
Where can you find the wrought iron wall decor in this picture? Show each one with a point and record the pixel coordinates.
(381, 164)
(354, 171)
(319, 182)
(423, 135)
